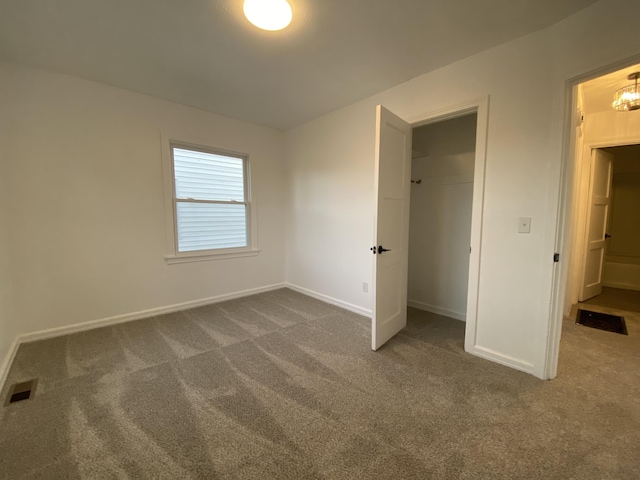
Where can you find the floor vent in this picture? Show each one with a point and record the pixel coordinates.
(21, 391)
(602, 321)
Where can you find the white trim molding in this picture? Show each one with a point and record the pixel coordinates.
(479, 106)
(621, 275)
(7, 361)
(200, 257)
(127, 317)
(173, 256)
(437, 310)
(561, 197)
(502, 359)
(331, 300)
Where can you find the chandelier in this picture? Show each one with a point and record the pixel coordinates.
(628, 98)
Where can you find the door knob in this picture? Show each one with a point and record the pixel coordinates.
(381, 249)
(606, 235)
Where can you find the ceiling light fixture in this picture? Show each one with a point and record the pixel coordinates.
(628, 98)
(268, 14)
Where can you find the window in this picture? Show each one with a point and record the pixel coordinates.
(210, 203)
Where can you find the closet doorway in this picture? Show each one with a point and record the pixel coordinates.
(442, 180)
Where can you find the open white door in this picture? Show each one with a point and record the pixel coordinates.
(597, 216)
(391, 227)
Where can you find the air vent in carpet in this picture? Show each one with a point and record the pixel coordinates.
(602, 321)
(21, 391)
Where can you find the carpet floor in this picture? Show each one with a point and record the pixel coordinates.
(280, 385)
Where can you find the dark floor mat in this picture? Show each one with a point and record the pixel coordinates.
(602, 321)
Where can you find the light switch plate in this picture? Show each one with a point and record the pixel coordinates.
(524, 225)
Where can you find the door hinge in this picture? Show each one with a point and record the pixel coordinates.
(556, 257)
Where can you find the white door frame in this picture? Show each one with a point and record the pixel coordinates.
(564, 227)
(480, 107)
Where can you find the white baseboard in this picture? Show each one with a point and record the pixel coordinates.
(621, 275)
(482, 352)
(127, 317)
(623, 286)
(486, 353)
(502, 359)
(438, 310)
(333, 301)
(7, 361)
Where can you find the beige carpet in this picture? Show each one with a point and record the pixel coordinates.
(280, 385)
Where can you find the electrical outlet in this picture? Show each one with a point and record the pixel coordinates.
(365, 287)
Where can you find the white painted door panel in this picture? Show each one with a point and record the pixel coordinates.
(598, 213)
(391, 227)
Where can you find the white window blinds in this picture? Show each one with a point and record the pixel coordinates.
(210, 200)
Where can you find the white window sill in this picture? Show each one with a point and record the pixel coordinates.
(207, 256)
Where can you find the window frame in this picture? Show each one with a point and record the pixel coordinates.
(173, 255)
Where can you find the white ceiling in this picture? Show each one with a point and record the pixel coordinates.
(204, 53)
(597, 94)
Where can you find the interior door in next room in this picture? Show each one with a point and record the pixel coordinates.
(597, 216)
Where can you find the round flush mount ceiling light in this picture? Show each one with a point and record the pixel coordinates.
(268, 14)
